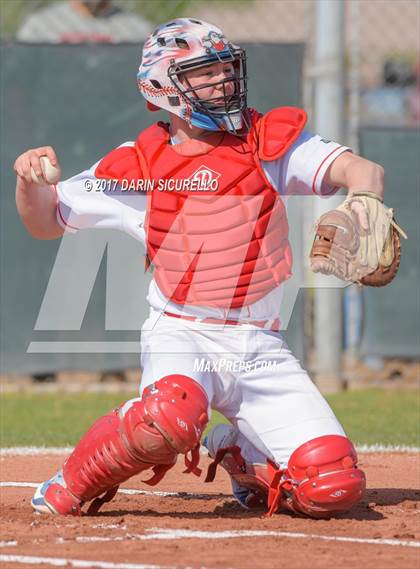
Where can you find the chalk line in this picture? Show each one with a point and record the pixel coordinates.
(167, 534)
(35, 451)
(386, 448)
(131, 491)
(79, 563)
(170, 534)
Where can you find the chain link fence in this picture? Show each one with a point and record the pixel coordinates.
(381, 39)
(382, 46)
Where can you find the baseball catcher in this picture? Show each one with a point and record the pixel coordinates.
(214, 226)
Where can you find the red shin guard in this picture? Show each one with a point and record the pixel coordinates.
(321, 478)
(169, 419)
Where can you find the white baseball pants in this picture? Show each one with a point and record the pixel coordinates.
(250, 376)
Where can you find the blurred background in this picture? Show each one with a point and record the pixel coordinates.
(68, 80)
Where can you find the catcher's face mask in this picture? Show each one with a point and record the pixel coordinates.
(216, 89)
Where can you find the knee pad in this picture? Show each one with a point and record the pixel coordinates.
(177, 407)
(149, 432)
(322, 478)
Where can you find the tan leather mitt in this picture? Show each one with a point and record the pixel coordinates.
(342, 248)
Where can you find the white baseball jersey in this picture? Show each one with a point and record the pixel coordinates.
(85, 202)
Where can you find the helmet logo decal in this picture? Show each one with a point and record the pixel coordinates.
(214, 42)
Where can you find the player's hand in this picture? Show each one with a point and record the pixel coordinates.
(31, 159)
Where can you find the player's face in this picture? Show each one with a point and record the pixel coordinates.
(206, 81)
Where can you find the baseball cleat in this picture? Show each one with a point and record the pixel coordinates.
(39, 502)
(222, 436)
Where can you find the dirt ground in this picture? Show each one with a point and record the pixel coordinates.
(145, 530)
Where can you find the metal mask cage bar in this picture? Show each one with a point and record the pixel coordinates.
(232, 104)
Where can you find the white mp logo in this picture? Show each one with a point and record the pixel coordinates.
(207, 178)
(182, 424)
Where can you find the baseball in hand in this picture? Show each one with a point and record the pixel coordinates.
(51, 174)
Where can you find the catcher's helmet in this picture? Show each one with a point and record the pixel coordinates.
(182, 45)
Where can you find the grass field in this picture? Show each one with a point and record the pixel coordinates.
(59, 419)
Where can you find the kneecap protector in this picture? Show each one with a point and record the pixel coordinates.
(322, 478)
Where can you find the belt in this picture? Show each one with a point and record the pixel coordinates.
(273, 324)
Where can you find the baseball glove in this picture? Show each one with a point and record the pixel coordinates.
(344, 249)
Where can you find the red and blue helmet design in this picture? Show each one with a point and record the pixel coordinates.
(187, 44)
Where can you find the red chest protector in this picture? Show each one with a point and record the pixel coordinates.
(225, 247)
